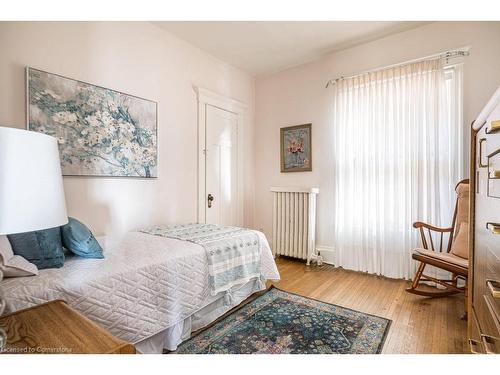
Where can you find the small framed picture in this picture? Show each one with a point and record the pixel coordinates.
(296, 153)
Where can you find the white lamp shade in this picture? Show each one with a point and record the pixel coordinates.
(31, 186)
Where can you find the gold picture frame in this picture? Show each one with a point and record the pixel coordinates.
(296, 148)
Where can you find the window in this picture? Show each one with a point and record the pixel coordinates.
(398, 146)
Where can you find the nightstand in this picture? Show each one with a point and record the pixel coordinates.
(55, 328)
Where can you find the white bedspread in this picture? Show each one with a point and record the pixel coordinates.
(143, 286)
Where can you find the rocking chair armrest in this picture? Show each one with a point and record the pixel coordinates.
(419, 224)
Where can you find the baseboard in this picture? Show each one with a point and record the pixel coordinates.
(327, 253)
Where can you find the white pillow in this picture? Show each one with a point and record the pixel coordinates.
(14, 265)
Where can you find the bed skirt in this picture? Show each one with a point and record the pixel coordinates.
(173, 336)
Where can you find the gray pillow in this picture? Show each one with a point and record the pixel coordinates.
(43, 247)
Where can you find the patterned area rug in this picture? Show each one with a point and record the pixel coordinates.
(282, 322)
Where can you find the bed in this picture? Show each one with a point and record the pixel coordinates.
(151, 291)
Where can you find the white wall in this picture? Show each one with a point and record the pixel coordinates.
(141, 59)
(298, 96)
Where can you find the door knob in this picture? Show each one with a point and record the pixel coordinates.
(210, 199)
(493, 228)
(494, 127)
(473, 344)
(481, 165)
(493, 287)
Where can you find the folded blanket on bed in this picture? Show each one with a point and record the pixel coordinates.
(233, 253)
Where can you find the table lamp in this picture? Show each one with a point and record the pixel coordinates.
(31, 185)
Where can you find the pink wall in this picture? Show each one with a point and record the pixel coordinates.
(141, 59)
(298, 96)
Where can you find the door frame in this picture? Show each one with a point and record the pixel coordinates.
(206, 97)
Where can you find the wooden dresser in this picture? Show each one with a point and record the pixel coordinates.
(484, 235)
(55, 328)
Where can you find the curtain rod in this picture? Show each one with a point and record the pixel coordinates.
(442, 55)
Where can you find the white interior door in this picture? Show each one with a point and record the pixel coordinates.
(221, 171)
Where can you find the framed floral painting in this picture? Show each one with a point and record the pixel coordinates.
(101, 132)
(296, 148)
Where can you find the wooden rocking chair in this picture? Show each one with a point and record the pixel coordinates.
(453, 259)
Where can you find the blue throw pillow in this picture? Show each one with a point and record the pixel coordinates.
(78, 239)
(42, 247)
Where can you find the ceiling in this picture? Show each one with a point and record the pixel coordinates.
(264, 47)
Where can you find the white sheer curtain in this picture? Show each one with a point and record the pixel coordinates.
(398, 146)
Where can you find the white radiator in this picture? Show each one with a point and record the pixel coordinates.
(294, 223)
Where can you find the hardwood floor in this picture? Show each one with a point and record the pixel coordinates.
(419, 324)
